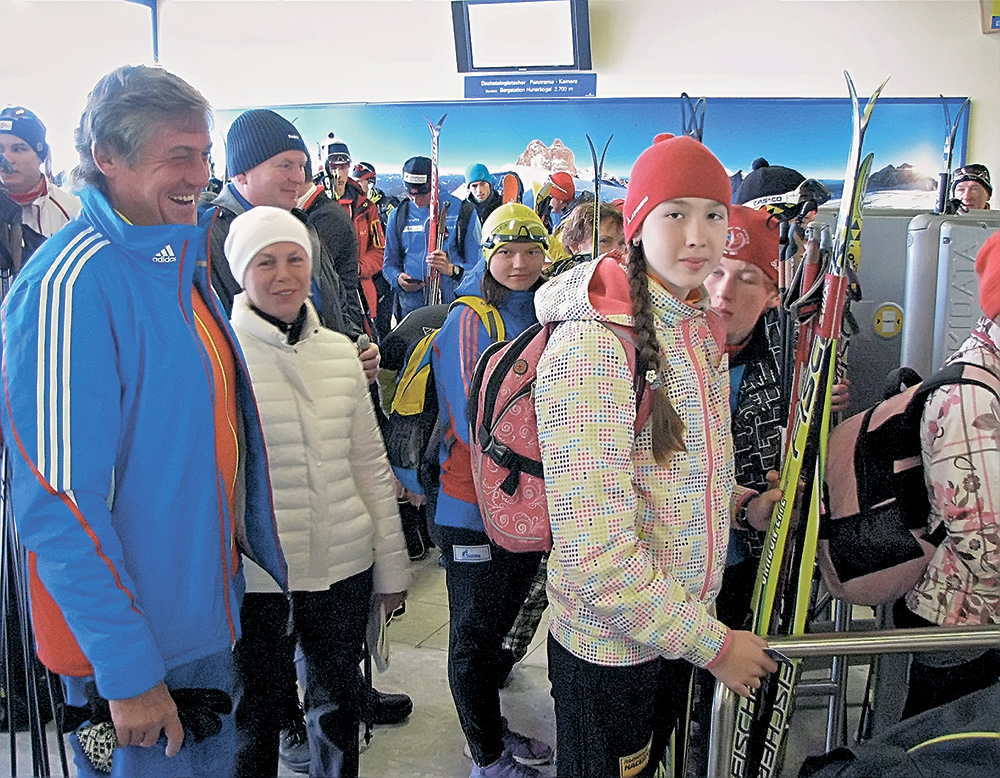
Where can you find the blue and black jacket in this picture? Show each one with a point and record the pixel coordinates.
(118, 495)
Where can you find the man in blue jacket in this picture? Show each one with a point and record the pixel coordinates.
(139, 471)
(408, 265)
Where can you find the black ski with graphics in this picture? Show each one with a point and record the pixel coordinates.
(781, 592)
(598, 176)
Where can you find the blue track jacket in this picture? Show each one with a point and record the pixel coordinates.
(457, 348)
(108, 418)
(409, 254)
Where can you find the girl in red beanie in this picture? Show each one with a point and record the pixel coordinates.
(640, 520)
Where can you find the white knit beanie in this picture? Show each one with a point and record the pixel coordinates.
(259, 228)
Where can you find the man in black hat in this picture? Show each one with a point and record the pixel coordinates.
(408, 265)
(45, 207)
(266, 161)
(971, 186)
(363, 213)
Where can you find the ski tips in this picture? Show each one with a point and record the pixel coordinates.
(692, 116)
(435, 127)
(878, 91)
(850, 88)
(854, 93)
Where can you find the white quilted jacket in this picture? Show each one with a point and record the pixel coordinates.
(333, 491)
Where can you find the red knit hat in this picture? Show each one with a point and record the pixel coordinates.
(988, 268)
(753, 238)
(563, 187)
(671, 168)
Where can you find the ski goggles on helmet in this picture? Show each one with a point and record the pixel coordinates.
(787, 206)
(525, 233)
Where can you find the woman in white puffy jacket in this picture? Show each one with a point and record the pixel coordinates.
(333, 498)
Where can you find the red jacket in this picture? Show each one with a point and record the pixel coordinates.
(371, 239)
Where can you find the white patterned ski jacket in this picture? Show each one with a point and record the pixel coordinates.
(638, 550)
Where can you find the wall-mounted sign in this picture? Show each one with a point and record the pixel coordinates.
(515, 86)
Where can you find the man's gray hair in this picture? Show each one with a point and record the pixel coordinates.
(125, 108)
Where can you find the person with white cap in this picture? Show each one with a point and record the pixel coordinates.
(333, 499)
(46, 207)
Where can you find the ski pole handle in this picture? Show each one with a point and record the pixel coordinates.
(364, 343)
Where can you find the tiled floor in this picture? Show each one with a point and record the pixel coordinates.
(429, 743)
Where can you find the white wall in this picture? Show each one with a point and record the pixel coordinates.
(272, 52)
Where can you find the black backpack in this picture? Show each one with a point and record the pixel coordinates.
(413, 434)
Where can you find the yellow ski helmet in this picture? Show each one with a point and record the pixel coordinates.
(512, 223)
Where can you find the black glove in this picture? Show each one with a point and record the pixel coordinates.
(198, 709)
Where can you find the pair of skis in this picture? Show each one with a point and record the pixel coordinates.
(951, 131)
(432, 293)
(784, 580)
(595, 248)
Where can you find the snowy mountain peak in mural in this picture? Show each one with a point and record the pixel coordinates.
(903, 177)
(554, 158)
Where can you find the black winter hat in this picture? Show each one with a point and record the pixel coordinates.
(417, 175)
(363, 171)
(337, 151)
(766, 180)
(256, 136)
(23, 124)
(974, 172)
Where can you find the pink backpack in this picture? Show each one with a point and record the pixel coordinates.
(503, 436)
(874, 542)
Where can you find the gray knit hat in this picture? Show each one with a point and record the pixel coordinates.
(256, 136)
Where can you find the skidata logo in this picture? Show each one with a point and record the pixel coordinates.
(166, 254)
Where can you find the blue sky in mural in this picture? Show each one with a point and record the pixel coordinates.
(811, 135)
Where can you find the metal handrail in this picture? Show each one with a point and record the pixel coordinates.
(827, 644)
(886, 641)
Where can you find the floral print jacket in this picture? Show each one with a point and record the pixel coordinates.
(960, 440)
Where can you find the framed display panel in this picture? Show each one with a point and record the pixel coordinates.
(811, 135)
(511, 35)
